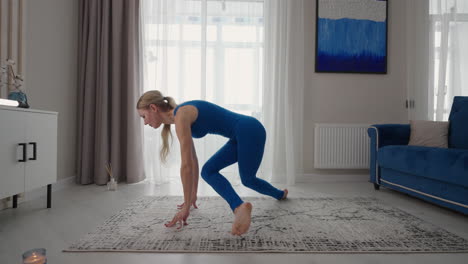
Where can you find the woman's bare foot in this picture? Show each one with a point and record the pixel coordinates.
(242, 216)
(285, 194)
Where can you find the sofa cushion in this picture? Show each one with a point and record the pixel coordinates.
(429, 133)
(447, 165)
(458, 132)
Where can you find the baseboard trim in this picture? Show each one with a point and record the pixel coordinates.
(314, 177)
(38, 193)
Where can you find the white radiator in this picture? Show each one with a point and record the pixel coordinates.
(341, 146)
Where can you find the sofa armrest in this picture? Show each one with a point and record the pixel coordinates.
(384, 135)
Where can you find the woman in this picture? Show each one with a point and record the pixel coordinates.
(245, 146)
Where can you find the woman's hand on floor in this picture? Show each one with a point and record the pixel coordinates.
(180, 217)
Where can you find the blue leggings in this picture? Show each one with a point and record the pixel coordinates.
(246, 148)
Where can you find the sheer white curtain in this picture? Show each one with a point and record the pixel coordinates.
(437, 70)
(284, 89)
(449, 30)
(201, 49)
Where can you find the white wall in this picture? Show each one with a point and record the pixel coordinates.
(354, 98)
(51, 70)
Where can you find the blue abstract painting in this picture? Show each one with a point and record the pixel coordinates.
(351, 36)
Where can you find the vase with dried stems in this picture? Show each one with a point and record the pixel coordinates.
(112, 184)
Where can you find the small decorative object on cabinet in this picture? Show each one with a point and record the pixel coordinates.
(14, 85)
(28, 151)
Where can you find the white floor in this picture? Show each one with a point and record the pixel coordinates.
(76, 210)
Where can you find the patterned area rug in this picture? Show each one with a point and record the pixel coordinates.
(321, 225)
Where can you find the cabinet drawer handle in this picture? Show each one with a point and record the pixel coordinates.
(34, 150)
(24, 152)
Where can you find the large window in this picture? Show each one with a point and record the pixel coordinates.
(206, 50)
(202, 49)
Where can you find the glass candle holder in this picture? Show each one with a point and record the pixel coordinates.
(35, 256)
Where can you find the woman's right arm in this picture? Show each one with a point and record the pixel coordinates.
(196, 176)
(183, 130)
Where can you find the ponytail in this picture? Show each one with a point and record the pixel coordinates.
(165, 104)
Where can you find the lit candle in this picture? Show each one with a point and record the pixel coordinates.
(35, 256)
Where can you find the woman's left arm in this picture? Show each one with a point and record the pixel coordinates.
(196, 175)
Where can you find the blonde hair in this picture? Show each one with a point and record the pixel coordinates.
(166, 104)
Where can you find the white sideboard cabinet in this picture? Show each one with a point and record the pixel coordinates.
(28, 151)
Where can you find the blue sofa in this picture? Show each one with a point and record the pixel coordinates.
(437, 175)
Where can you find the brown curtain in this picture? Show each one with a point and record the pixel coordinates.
(109, 87)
